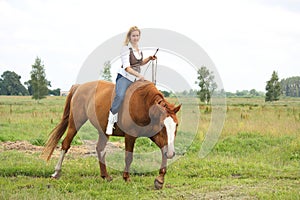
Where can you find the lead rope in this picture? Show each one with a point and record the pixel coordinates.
(155, 75)
(154, 70)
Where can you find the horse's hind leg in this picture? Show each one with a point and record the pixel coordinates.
(57, 171)
(100, 148)
(129, 146)
(72, 130)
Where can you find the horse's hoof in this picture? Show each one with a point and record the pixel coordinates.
(158, 185)
(55, 176)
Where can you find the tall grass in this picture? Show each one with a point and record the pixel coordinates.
(22, 118)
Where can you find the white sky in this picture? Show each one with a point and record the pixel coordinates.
(246, 40)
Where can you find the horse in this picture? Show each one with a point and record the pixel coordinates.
(144, 113)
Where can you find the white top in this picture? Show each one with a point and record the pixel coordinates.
(125, 51)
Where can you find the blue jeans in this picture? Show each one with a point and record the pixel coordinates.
(122, 84)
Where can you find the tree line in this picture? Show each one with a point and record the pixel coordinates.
(207, 86)
(37, 86)
(291, 86)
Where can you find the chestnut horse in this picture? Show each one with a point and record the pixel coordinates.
(144, 112)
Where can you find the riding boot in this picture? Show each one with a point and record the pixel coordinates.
(112, 119)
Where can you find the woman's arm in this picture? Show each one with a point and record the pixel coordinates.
(146, 60)
(134, 73)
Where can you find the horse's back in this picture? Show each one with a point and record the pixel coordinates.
(92, 101)
(91, 90)
(104, 94)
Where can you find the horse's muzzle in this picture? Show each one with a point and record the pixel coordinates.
(170, 155)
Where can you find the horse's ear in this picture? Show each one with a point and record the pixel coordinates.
(176, 109)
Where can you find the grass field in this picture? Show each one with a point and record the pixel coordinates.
(256, 157)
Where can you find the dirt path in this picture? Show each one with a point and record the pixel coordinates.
(87, 149)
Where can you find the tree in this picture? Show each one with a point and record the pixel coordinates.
(106, 75)
(165, 93)
(291, 86)
(55, 92)
(254, 93)
(273, 88)
(243, 93)
(10, 84)
(38, 82)
(206, 83)
(29, 87)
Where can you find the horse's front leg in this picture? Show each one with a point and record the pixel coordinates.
(100, 148)
(129, 146)
(159, 180)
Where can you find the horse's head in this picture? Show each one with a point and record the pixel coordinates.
(168, 122)
(171, 123)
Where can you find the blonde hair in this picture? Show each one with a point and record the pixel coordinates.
(133, 28)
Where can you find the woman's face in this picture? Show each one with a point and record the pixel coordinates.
(134, 37)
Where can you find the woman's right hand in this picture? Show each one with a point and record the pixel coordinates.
(138, 76)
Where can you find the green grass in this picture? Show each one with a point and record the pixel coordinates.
(256, 157)
(231, 172)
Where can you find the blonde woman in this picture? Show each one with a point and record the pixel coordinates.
(132, 60)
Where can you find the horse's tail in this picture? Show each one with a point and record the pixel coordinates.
(60, 129)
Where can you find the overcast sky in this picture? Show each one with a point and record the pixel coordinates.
(246, 40)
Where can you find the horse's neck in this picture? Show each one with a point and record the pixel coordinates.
(139, 98)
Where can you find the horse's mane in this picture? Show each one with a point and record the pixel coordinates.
(145, 90)
(147, 95)
(148, 90)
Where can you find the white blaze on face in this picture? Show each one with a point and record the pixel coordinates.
(170, 127)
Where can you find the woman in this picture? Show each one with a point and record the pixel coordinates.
(132, 60)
